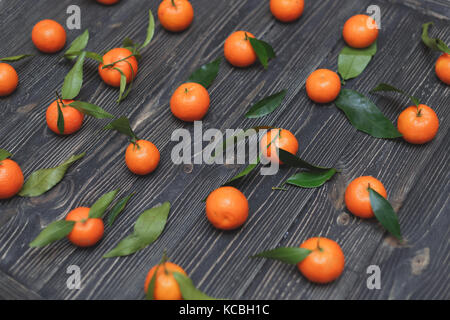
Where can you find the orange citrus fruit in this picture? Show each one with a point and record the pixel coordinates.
(190, 102)
(360, 31)
(276, 139)
(166, 287)
(238, 49)
(442, 68)
(227, 208)
(325, 263)
(142, 157)
(287, 10)
(73, 119)
(8, 79)
(11, 178)
(48, 36)
(87, 231)
(418, 125)
(175, 15)
(323, 86)
(357, 197)
(121, 59)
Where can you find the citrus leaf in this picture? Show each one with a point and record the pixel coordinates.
(147, 229)
(118, 208)
(100, 206)
(4, 154)
(89, 54)
(60, 121)
(16, 58)
(352, 62)
(126, 246)
(128, 43)
(388, 88)
(91, 110)
(43, 180)
(206, 74)
(384, 213)
(151, 285)
(130, 85)
(187, 288)
(263, 51)
(244, 172)
(53, 232)
(434, 44)
(150, 29)
(77, 45)
(364, 115)
(122, 125)
(123, 83)
(292, 160)
(74, 79)
(311, 179)
(266, 105)
(290, 255)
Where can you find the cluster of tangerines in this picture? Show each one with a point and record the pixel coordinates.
(319, 259)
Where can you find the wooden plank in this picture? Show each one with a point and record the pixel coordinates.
(436, 8)
(217, 261)
(10, 289)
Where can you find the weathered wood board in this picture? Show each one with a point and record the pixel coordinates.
(416, 177)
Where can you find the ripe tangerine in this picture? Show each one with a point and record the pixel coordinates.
(87, 231)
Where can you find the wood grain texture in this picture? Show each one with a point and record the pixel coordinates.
(415, 176)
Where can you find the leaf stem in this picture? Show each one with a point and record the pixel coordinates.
(109, 65)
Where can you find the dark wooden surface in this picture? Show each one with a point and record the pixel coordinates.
(416, 177)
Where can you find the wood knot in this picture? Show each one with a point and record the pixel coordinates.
(187, 168)
(421, 261)
(343, 219)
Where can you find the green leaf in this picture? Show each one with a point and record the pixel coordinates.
(311, 179)
(53, 232)
(244, 172)
(263, 51)
(74, 79)
(77, 45)
(388, 88)
(206, 74)
(352, 62)
(4, 154)
(16, 58)
(266, 105)
(43, 180)
(292, 160)
(60, 121)
(384, 213)
(95, 56)
(147, 229)
(150, 30)
(151, 285)
(118, 208)
(290, 255)
(128, 43)
(100, 206)
(89, 54)
(434, 44)
(122, 125)
(91, 110)
(364, 115)
(123, 83)
(187, 288)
